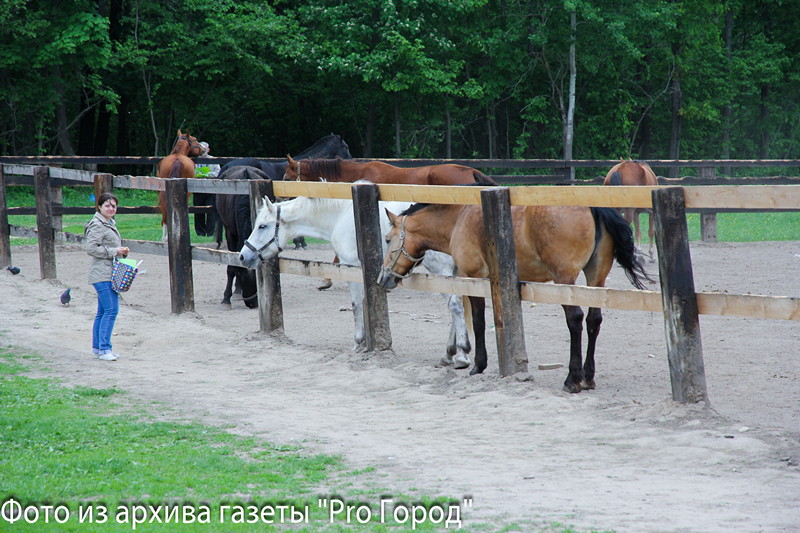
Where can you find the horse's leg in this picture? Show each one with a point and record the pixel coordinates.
(651, 232)
(637, 229)
(593, 320)
(479, 326)
(458, 346)
(327, 283)
(574, 315)
(357, 301)
(226, 296)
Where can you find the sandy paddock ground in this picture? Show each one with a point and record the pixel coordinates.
(623, 456)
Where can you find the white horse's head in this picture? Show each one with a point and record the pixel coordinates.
(263, 241)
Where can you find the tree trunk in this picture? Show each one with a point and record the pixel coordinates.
(727, 110)
(61, 114)
(569, 123)
(397, 147)
(763, 150)
(675, 137)
(448, 134)
(101, 131)
(85, 128)
(490, 127)
(123, 140)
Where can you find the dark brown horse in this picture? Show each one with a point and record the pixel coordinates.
(552, 244)
(177, 164)
(634, 173)
(380, 172)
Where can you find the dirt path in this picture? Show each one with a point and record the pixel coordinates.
(622, 457)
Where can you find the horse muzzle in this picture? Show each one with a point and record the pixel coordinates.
(387, 279)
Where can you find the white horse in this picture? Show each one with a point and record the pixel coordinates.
(333, 220)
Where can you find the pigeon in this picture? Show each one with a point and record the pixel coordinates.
(14, 270)
(65, 297)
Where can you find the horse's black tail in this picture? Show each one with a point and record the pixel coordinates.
(624, 246)
(175, 171)
(616, 178)
(482, 179)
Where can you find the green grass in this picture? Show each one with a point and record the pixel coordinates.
(86, 448)
(743, 227)
(66, 447)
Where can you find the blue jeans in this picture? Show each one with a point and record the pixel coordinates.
(107, 310)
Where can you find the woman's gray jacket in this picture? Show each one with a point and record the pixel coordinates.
(102, 241)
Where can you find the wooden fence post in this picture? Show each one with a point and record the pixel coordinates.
(44, 223)
(179, 246)
(377, 333)
(504, 281)
(708, 221)
(268, 275)
(5, 233)
(681, 317)
(103, 183)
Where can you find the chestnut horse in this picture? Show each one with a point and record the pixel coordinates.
(552, 243)
(380, 172)
(634, 173)
(177, 164)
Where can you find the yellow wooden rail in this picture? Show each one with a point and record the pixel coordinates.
(701, 196)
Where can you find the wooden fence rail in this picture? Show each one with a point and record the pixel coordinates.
(677, 300)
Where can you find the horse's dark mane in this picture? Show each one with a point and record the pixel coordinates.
(329, 146)
(327, 169)
(414, 208)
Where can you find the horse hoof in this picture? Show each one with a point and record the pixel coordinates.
(460, 363)
(326, 284)
(587, 385)
(446, 361)
(572, 388)
(475, 370)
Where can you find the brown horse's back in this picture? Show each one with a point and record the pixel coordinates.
(553, 243)
(380, 172)
(631, 173)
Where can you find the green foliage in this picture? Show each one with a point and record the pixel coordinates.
(401, 78)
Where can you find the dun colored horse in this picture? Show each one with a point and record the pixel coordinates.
(177, 164)
(552, 244)
(634, 173)
(380, 172)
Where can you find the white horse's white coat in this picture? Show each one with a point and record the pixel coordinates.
(333, 220)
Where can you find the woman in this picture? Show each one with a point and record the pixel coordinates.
(205, 223)
(103, 243)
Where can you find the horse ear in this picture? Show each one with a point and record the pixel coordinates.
(268, 203)
(392, 217)
(179, 132)
(291, 161)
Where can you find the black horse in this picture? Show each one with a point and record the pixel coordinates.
(234, 209)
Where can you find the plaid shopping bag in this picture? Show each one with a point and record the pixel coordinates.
(123, 273)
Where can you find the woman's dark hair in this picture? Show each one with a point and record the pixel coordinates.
(106, 196)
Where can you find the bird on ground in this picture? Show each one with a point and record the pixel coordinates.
(14, 270)
(65, 297)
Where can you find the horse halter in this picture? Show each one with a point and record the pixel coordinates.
(273, 239)
(402, 251)
(191, 144)
(298, 171)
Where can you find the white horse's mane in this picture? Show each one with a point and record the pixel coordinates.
(311, 207)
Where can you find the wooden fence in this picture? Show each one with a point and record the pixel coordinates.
(677, 300)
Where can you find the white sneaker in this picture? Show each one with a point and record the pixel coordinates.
(107, 357)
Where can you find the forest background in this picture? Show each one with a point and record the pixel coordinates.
(582, 79)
